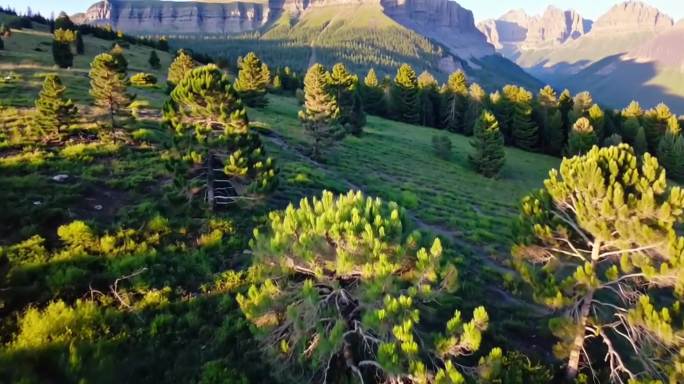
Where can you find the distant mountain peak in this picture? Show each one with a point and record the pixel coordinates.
(518, 29)
(633, 15)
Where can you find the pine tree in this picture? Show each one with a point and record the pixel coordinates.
(455, 102)
(181, 66)
(373, 95)
(547, 98)
(428, 99)
(633, 110)
(545, 110)
(581, 104)
(253, 80)
(108, 85)
(2, 44)
(655, 123)
(208, 118)
(582, 137)
(597, 118)
(321, 112)
(565, 105)
(554, 137)
(404, 96)
(477, 99)
(121, 63)
(640, 142)
(598, 244)
(630, 129)
(488, 143)
(61, 48)
(524, 130)
(64, 22)
(277, 85)
(375, 275)
(671, 151)
(344, 87)
(54, 112)
(154, 61)
(80, 47)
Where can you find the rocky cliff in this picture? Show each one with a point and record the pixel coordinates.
(446, 22)
(169, 17)
(517, 30)
(442, 20)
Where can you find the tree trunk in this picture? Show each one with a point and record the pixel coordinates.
(578, 343)
(111, 115)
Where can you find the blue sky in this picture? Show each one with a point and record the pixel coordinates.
(483, 9)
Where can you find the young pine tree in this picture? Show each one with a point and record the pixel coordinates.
(488, 144)
(121, 63)
(582, 138)
(373, 94)
(655, 122)
(108, 85)
(554, 137)
(633, 111)
(277, 84)
(630, 129)
(211, 127)
(598, 245)
(477, 99)
(181, 66)
(455, 102)
(671, 150)
(344, 86)
(354, 313)
(640, 142)
(54, 112)
(61, 48)
(404, 96)
(253, 80)
(524, 130)
(565, 105)
(320, 114)
(64, 22)
(597, 118)
(428, 96)
(153, 60)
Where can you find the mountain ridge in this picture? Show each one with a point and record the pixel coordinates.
(633, 44)
(298, 26)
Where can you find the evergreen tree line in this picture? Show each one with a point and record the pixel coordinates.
(559, 125)
(66, 34)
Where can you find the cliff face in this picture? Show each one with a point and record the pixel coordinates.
(150, 17)
(517, 30)
(443, 21)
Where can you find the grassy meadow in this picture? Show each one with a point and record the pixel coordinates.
(119, 180)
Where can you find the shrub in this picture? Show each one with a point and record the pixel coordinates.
(143, 80)
(442, 146)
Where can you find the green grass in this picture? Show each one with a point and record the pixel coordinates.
(396, 161)
(124, 184)
(28, 54)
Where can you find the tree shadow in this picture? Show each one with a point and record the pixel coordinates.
(614, 81)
